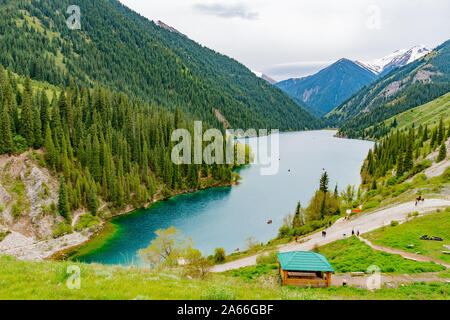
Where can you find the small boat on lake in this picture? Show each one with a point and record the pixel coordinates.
(269, 222)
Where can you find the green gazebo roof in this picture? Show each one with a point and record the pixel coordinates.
(304, 261)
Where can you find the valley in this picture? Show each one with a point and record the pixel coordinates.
(114, 127)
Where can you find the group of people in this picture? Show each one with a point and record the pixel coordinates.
(353, 233)
(324, 233)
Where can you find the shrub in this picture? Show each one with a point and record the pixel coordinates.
(269, 258)
(219, 255)
(15, 210)
(284, 232)
(254, 272)
(20, 144)
(392, 181)
(3, 235)
(400, 189)
(217, 292)
(420, 178)
(250, 243)
(370, 205)
(87, 221)
(394, 223)
(44, 194)
(18, 188)
(62, 230)
(419, 167)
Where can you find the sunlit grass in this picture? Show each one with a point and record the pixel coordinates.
(48, 280)
(353, 255)
(407, 235)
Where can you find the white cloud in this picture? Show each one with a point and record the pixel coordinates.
(226, 11)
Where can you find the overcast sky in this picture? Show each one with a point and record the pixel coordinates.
(293, 38)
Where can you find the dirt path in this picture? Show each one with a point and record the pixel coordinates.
(388, 280)
(404, 254)
(362, 223)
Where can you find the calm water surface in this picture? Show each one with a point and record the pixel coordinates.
(226, 217)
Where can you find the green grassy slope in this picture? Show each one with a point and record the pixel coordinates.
(353, 255)
(427, 114)
(48, 280)
(407, 235)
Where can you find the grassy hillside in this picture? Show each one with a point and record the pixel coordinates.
(428, 114)
(407, 235)
(353, 255)
(402, 89)
(125, 52)
(48, 280)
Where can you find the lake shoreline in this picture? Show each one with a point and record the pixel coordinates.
(319, 143)
(105, 233)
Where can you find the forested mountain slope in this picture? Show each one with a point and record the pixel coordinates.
(407, 87)
(123, 51)
(329, 87)
(70, 157)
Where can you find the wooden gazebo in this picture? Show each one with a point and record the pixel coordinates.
(304, 268)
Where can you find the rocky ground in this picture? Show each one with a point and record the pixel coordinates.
(28, 191)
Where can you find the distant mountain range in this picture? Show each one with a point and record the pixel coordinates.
(331, 86)
(394, 60)
(414, 84)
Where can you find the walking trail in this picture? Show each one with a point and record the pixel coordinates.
(404, 254)
(362, 223)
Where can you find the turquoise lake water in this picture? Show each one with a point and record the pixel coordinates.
(226, 217)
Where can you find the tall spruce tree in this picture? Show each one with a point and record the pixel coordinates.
(324, 182)
(26, 115)
(6, 141)
(442, 152)
(63, 201)
(297, 221)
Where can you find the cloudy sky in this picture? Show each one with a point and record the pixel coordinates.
(292, 38)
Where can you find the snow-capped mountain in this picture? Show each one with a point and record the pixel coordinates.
(396, 59)
(265, 77)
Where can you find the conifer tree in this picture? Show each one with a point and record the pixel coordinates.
(63, 201)
(50, 154)
(44, 112)
(37, 135)
(324, 182)
(6, 141)
(400, 168)
(93, 202)
(408, 159)
(297, 221)
(26, 116)
(441, 132)
(442, 152)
